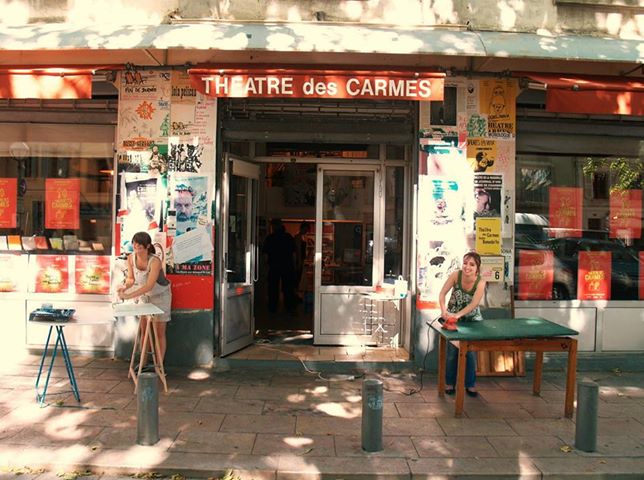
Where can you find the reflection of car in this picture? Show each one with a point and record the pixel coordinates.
(625, 263)
(563, 285)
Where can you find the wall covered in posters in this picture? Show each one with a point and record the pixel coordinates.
(166, 152)
(466, 181)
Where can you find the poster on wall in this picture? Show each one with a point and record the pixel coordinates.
(626, 214)
(481, 153)
(594, 276)
(191, 113)
(12, 273)
(536, 275)
(144, 109)
(92, 274)
(565, 210)
(488, 195)
(62, 203)
(444, 192)
(50, 273)
(8, 202)
(497, 100)
(192, 244)
(141, 206)
(185, 155)
(488, 236)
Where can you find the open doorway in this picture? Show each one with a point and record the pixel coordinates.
(284, 290)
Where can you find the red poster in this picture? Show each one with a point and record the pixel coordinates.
(593, 276)
(626, 214)
(565, 212)
(8, 202)
(536, 274)
(641, 275)
(92, 274)
(62, 203)
(52, 274)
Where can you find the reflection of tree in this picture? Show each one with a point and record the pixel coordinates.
(626, 173)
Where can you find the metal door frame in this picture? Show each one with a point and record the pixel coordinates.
(235, 166)
(378, 247)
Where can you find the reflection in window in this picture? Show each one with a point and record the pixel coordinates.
(601, 260)
(394, 221)
(347, 229)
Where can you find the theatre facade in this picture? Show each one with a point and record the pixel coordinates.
(386, 152)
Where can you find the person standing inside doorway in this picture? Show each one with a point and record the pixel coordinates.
(279, 247)
(300, 251)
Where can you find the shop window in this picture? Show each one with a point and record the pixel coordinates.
(578, 228)
(394, 222)
(72, 163)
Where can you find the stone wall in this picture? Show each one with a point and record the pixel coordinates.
(619, 18)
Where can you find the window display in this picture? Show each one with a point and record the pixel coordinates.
(56, 186)
(574, 240)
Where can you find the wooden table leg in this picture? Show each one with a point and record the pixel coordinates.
(538, 370)
(147, 342)
(131, 374)
(442, 354)
(460, 378)
(158, 362)
(571, 377)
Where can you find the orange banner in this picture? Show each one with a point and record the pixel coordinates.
(536, 274)
(593, 276)
(8, 202)
(565, 212)
(626, 214)
(241, 83)
(52, 274)
(92, 274)
(53, 83)
(62, 203)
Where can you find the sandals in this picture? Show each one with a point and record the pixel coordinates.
(470, 393)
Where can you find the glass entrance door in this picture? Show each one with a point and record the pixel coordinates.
(347, 257)
(239, 244)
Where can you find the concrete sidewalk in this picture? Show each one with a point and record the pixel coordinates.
(267, 424)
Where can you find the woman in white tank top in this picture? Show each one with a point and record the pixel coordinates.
(146, 283)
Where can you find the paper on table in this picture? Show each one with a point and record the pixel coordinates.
(133, 309)
(191, 245)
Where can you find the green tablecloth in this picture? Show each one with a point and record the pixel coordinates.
(505, 329)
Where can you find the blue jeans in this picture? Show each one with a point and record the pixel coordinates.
(452, 364)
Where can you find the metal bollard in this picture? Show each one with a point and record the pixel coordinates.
(586, 419)
(372, 404)
(147, 421)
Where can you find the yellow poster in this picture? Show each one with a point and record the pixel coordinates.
(488, 236)
(481, 154)
(498, 102)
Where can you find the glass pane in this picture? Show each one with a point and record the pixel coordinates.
(95, 206)
(347, 229)
(238, 237)
(394, 211)
(577, 228)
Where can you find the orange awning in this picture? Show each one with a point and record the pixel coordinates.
(48, 82)
(591, 94)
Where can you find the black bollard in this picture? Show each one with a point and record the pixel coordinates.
(147, 421)
(586, 419)
(372, 404)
